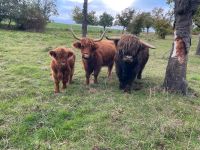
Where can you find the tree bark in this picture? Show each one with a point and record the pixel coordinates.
(123, 30)
(198, 47)
(85, 22)
(9, 23)
(175, 77)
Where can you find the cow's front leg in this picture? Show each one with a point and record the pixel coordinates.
(56, 86)
(56, 82)
(88, 73)
(127, 88)
(128, 85)
(122, 85)
(96, 73)
(65, 81)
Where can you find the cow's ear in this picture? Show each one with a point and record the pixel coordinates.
(94, 47)
(116, 42)
(77, 45)
(52, 54)
(70, 54)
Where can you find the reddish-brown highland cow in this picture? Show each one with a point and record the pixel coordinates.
(95, 54)
(62, 66)
(130, 60)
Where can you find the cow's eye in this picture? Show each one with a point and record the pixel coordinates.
(82, 47)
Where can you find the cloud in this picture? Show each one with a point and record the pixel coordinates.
(112, 7)
(118, 5)
(79, 1)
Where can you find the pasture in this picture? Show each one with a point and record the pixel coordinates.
(96, 116)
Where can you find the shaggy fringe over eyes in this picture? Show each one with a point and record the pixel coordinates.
(87, 42)
(129, 45)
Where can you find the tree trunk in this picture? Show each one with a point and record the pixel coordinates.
(175, 77)
(147, 30)
(9, 23)
(85, 22)
(123, 30)
(104, 28)
(198, 47)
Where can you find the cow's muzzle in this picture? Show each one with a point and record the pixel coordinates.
(128, 59)
(86, 56)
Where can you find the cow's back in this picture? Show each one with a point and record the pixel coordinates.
(107, 50)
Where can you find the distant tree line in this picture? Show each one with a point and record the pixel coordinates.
(27, 14)
(130, 20)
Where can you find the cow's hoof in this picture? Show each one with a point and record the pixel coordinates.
(95, 82)
(56, 92)
(63, 88)
(121, 86)
(127, 90)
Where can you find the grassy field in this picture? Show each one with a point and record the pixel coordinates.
(101, 116)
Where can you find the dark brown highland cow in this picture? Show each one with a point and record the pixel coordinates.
(131, 58)
(62, 66)
(95, 54)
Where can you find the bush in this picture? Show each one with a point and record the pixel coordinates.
(31, 19)
(28, 15)
(162, 28)
(135, 27)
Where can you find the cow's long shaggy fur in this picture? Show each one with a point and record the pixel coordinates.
(62, 66)
(95, 55)
(130, 60)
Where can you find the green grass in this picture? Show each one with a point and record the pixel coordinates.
(32, 117)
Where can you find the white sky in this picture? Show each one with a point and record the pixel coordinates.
(116, 5)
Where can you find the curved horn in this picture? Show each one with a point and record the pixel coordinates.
(147, 44)
(112, 38)
(77, 38)
(101, 38)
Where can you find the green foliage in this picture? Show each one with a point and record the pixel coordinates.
(28, 15)
(135, 27)
(31, 18)
(9, 9)
(162, 22)
(92, 19)
(147, 20)
(77, 16)
(196, 18)
(106, 20)
(125, 17)
(162, 28)
(139, 22)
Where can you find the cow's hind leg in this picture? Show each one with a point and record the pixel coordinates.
(143, 63)
(110, 70)
(71, 75)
